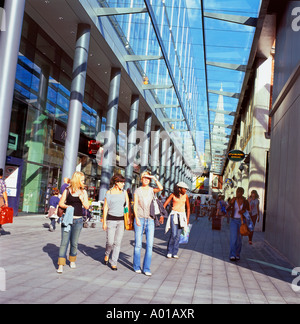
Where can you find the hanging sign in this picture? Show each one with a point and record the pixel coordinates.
(236, 156)
(229, 182)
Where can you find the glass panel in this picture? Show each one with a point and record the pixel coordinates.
(179, 27)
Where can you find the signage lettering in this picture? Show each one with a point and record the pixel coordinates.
(296, 21)
(236, 156)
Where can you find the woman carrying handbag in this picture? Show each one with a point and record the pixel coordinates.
(72, 200)
(239, 205)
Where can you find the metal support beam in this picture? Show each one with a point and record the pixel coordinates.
(155, 137)
(156, 87)
(229, 66)
(165, 144)
(131, 145)
(76, 99)
(146, 142)
(2, 20)
(101, 12)
(171, 120)
(167, 177)
(172, 168)
(137, 58)
(224, 112)
(224, 93)
(219, 142)
(222, 125)
(110, 132)
(216, 134)
(178, 130)
(9, 52)
(242, 20)
(166, 106)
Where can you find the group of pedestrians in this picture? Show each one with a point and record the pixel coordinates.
(116, 200)
(74, 199)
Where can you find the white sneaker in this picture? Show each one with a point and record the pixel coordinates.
(148, 274)
(175, 256)
(73, 265)
(60, 269)
(169, 256)
(138, 271)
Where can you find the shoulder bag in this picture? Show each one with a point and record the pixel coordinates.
(157, 210)
(61, 211)
(127, 217)
(244, 230)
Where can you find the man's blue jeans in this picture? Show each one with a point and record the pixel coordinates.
(235, 238)
(173, 244)
(147, 225)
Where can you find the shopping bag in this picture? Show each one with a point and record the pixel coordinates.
(249, 222)
(128, 227)
(184, 237)
(6, 215)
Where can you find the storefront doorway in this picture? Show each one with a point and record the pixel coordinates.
(37, 187)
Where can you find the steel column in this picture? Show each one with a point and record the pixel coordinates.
(76, 99)
(131, 146)
(109, 154)
(146, 143)
(9, 53)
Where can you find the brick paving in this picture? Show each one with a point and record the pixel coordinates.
(202, 275)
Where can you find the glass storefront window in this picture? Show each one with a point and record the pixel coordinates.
(42, 98)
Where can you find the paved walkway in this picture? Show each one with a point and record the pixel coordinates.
(203, 274)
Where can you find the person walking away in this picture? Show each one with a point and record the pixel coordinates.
(221, 207)
(178, 219)
(143, 197)
(197, 207)
(3, 195)
(52, 212)
(239, 205)
(113, 218)
(254, 211)
(228, 210)
(72, 199)
(163, 197)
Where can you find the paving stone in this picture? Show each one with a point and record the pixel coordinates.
(202, 275)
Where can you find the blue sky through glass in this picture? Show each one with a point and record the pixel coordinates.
(226, 42)
(180, 28)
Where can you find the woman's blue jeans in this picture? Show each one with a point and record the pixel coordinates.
(147, 225)
(71, 238)
(173, 244)
(235, 238)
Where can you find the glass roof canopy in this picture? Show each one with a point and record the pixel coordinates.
(195, 74)
(229, 28)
